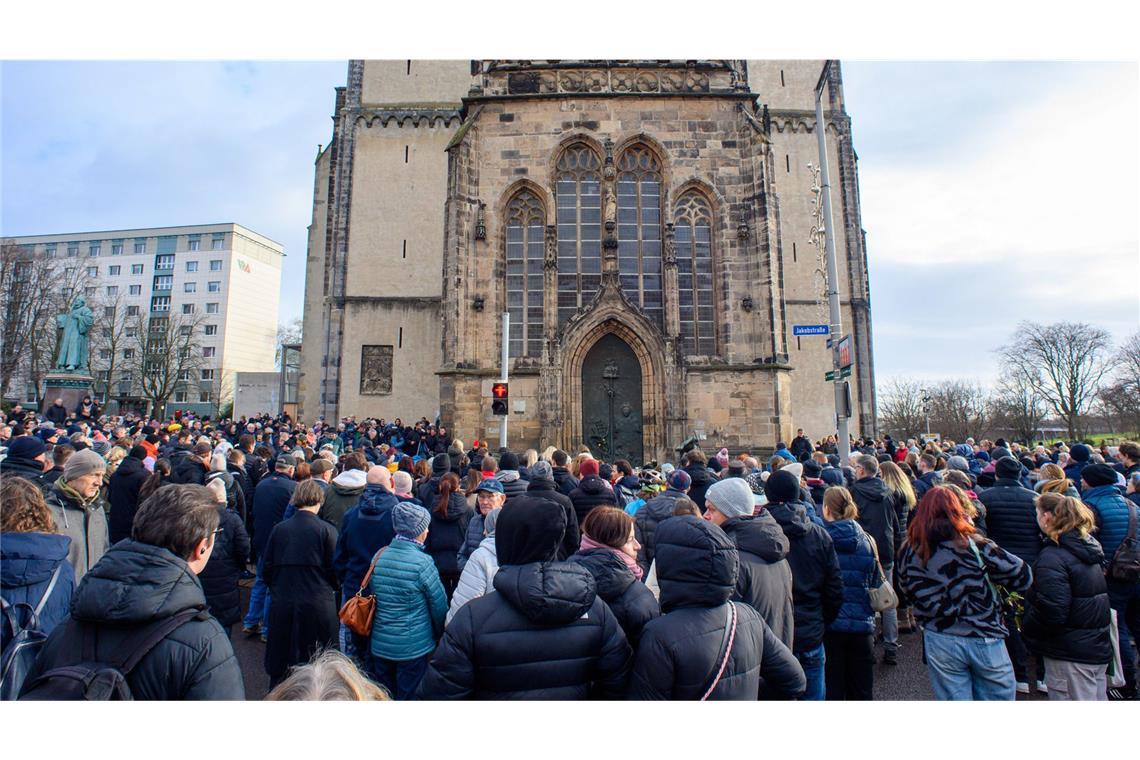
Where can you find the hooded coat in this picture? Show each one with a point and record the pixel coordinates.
(85, 525)
(765, 577)
(513, 482)
(221, 575)
(679, 653)
(1067, 608)
(447, 533)
(366, 529)
(134, 585)
(702, 479)
(123, 497)
(27, 562)
(645, 522)
(22, 467)
(860, 573)
(591, 492)
(631, 602)
(342, 495)
(477, 578)
(878, 516)
(566, 482)
(817, 583)
(544, 488)
(543, 634)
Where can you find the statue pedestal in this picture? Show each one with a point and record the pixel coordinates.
(69, 386)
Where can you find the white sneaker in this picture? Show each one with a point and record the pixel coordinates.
(1022, 687)
(1042, 688)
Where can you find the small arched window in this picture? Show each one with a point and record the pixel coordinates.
(579, 202)
(639, 229)
(693, 240)
(524, 274)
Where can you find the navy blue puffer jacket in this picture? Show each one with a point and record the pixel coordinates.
(27, 561)
(1011, 518)
(860, 572)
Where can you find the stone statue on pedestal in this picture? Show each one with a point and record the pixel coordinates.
(73, 342)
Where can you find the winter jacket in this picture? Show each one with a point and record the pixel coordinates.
(19, 467)
(187, 469)
(27, 562)
(765, 577)
(627, 489)
(270, 499)
(1011, 518)
(241, 478)
(134, 585)
(544, 634)
(446, 533)
(645, 522)
(235, 498)
(123, 497)
(477, 577)
(631, 602)
(817, 584)
(702, 479)
(57, 415)
(86, 525)
(1067, 609)
(220, 577)
(410, 603)
(877, 516)
(924, 483)
(591, 492)
(860, 573)
(513, 483)
(566, 482)
(543, 488)
(342, 495)
(365, 530)
(678, 655)
(474, 536)
(1111, 512)
(950, 592)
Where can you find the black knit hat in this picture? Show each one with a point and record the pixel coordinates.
(782, 487)
(530, 534)
(1008, 467)
(440, 464)
(1098, 475)
(509, 461)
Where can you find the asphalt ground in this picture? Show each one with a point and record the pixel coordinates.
(907, 681)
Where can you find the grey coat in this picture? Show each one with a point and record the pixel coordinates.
(86, 526)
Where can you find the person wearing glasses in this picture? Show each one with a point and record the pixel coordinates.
(231, 554)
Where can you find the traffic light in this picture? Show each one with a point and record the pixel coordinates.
(499, 396)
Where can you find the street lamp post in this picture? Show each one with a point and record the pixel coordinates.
(836, 318)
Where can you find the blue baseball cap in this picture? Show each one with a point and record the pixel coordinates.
(492, 485)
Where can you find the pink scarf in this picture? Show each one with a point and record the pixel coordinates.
(589, 543)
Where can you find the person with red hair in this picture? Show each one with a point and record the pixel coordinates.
(949, 575)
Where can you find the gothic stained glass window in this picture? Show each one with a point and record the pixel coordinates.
(639, 229)
(579, 204)
(525, 227)
(693, 241)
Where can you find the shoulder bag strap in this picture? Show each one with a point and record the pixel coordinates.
(726, 646)
(131, 652)
(1132, 509)
(371, 567)
(985, 572)
(875, 551)
(47, 593)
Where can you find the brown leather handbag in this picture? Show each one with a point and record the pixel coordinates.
(358, 610)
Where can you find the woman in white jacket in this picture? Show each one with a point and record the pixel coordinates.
(479, 572)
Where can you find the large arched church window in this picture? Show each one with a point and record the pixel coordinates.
(639, 229)
(693, 240)
(579, 207)
(525, 219)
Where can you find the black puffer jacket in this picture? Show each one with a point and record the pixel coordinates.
(645, 522)
(817, 584)
(878, 516)
(591, 492)
(765, 578)
(1011, 518)
(702, 479)
(543, 488)
(220, 577)
(678, 656)
(447, 532)
(187, 469)
(566, 482)
(543, 634)
(123, 497)
(29, 469)
(1067, 608)
(631, 601)
(133, 585)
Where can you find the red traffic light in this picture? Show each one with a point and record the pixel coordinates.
(499, 390)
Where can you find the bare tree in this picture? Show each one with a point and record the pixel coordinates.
(108, 340)
(900, 408)
(960, 409)
(287, 333)
(29, 294)
(1067, 361)
(1019, 405)
(167, 354)
(1119, 401)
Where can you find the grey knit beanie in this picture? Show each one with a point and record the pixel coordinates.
(410, 520)
(83, 463)
(732, 497)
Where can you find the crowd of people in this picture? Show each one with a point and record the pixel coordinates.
(392, 561)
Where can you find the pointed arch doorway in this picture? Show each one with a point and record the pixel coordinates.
(612, 416)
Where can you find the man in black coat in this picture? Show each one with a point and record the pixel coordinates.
(27, 458)
(679, 654)
(270, 500)
(514, 484)
(123, 493)
(194, 467)
(151, 577)
(542, 486)
(566, 482)
(696, 464)
(801, 446)
(592, 491)
(543, 634)
(880, 520)
(655, 511)
(928, 477)
(56, 413)
(817, 584)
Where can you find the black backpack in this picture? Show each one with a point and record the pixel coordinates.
(93, 680)
(1125, 565)
(25, 640)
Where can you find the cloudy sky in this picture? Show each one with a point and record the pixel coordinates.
(992, 192)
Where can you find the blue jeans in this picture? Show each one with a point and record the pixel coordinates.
(812, 661)
(968, 667)
(258, 605)
(401, 679)
(890, 618)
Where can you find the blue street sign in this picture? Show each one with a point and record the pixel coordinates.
(811, 329)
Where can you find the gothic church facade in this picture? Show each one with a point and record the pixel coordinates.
(647, 225)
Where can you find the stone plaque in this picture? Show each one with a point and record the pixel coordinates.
(375, 370)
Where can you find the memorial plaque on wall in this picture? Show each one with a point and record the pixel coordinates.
(375, 370)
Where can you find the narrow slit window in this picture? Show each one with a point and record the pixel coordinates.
(405, 249)
(400, 339)
(787, 162)
(782, 78)
(406, 147)
(794, 259)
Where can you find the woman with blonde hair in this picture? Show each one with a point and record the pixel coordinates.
(548, 454)
(1067, 608)
(1051, 479)
(529, 457)
(329, 677)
